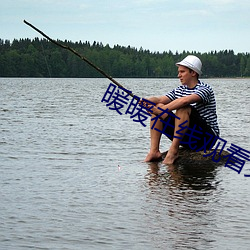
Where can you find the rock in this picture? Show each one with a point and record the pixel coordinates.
(187, 156)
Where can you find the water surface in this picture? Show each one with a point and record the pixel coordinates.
(72, 176)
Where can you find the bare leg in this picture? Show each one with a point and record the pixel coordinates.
(155, 137)
(173, 152)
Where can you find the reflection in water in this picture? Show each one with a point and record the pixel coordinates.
(191, 176)
(183, 195)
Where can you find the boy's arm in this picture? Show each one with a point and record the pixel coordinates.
(176, 104)
(159, 99)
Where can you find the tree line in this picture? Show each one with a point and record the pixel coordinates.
(41, 58)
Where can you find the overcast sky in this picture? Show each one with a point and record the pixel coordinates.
(157, 25)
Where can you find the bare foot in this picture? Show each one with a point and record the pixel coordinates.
(170, 157)
(153, 156)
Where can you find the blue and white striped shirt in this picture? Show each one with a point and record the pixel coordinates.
(206, 108)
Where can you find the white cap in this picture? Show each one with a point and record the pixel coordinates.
(191, 62)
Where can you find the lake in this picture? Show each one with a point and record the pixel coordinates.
(72, 174)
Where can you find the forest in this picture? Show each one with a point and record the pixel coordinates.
(41, 58)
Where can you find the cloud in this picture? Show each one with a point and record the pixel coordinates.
(225, 5)
(152, 24)
(83, 6)
(149, 2)
(221, 2)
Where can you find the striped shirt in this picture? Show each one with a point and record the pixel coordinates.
(206, 108)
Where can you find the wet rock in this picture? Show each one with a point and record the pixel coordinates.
(187, 156)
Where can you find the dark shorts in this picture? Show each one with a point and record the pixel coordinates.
(197, 135)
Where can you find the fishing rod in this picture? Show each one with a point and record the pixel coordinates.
(80, 56)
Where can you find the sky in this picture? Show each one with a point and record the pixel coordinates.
(155, 25)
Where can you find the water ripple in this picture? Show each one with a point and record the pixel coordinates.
(72, 174)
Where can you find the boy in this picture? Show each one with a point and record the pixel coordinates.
(195, 107)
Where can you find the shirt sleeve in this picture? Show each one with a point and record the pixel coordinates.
(205, 94)
(171, 95)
